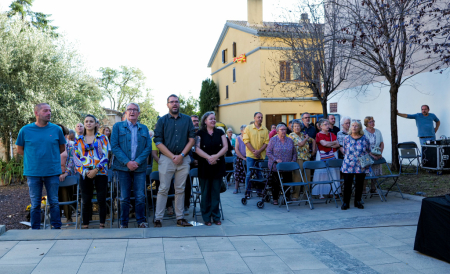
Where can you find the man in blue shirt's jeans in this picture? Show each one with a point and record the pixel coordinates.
(41, 144)
(424, 123)
(131, 144)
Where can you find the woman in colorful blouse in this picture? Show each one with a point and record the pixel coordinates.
(355, 145)
(279, 150)
(91, 161)
(327, 144)
(239, 170)
(301, 143)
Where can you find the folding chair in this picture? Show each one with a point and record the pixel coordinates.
(316, 165)
(289, 167)
(196, 193)
(336, 163)
(410, 152)
(112, 180)
(384, 178)
(69, 181)
(229, 160)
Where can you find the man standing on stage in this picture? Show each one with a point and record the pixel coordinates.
(424, 123)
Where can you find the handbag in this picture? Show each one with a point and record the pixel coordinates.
(365, 160)
(223, 187)
(376, 151)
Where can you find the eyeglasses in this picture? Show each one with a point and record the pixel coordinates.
(306, 117)
(355, 120)
(372, 121)
(132, 110)
(174, 102)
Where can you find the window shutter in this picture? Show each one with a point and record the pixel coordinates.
(223, 56)
(288, 71)
(234, 49)
(282, 66)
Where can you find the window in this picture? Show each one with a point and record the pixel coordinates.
(234, 50)
(285, 71)
(226, 92)
(298, 72)
(224, 56)
(234, 75)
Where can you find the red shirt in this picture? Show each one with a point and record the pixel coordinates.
(327, 137)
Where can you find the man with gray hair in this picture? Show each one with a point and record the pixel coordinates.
(131, 144)
(79, 129)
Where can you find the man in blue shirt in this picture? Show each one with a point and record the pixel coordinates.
(424, 123)
(41, 144)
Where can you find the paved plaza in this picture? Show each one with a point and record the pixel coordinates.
(377, 239)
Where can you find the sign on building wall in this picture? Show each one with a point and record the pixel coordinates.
(333, 108)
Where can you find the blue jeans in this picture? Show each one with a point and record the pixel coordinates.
(128, 179)
(423, 141)
(250, 163)
(35, 185)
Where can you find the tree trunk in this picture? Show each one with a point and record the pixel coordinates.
(394, 132)
(324, 108)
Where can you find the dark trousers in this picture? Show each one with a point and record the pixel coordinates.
(210, 199)
(276, 186)
(187, 192)
(348, 183)
(87, 190)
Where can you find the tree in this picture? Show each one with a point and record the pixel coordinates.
(122, 86)
(309, 59)
(391, 41)
(149, 115)
(37, 19)
(34, 68)
(209, 96)
(189, 105)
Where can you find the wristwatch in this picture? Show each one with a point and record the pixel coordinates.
(182, 154)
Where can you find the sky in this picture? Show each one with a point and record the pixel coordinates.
(170, 41)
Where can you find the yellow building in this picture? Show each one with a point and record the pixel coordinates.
(252, 86)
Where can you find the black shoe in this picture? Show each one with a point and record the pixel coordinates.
(359, 205)
(345, 206)
(157, 223)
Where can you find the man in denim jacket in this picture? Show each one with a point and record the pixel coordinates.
(131, 144)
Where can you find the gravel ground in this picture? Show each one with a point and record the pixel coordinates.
(14, 199)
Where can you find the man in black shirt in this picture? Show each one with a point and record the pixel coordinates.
(174, 137)
(333, 129)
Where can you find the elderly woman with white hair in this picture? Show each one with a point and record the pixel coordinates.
(239, 170)
(280, 149)
(356, 145)
(345, 128)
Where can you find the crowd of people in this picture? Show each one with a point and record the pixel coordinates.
(180, 143)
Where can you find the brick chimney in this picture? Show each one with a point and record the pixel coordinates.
(254, 12)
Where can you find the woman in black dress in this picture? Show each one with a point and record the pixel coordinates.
(211, 146)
